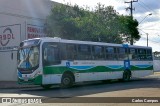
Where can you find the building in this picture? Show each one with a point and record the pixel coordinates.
(156, 61)
(19, 20)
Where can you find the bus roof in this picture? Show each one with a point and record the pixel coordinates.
(57, 39)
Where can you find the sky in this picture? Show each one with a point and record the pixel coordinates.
(148, 24)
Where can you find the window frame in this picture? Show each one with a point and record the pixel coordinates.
(111, 55)
(81, 55)
(98, 56)
(44, 47)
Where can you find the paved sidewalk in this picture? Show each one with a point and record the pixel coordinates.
(13, 85)
(157, 72)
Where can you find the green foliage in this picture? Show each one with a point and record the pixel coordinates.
(129, 28)
(103, 24)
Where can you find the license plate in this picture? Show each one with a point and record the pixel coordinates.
(25, 79)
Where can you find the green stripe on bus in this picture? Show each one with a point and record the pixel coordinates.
(38, 80)
(61, 69)
(133, 68)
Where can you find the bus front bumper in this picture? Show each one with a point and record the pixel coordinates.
(31, 81)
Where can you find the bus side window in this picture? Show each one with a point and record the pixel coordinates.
(71, 52)
(63, 51)
(122, 53)
(133, 54)
(111, 53)
(149, 54)
(84, 52)
(142, 54)
(50, 55)
(98, 53)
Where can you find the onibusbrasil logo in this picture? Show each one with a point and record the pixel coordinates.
(6, 36)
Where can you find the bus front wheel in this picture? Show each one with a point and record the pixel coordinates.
(67, 81)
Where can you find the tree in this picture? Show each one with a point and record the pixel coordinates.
(129, 28)
(103, 24)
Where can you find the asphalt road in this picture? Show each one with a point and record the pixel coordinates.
(144, 87)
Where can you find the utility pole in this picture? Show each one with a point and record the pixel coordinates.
(147, 39)
(131, 10)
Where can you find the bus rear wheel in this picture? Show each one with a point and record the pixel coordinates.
(67, 81)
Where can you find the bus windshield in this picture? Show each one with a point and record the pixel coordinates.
(28, 58)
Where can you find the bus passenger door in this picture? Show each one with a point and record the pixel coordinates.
(51, 60)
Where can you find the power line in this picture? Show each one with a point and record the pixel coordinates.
(148, 39)
(153, 24)
(147, 6)
(141, 11)
(142, 30)
(151, 40)
(138, 7)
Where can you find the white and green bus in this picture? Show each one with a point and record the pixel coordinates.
(48, 61)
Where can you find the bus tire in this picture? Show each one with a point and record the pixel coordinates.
(126, 75)
(67, 80)
(48, 86)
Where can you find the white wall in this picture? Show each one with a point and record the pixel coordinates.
(156, 65)
(22, 13)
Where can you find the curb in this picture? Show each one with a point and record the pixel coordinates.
(156, 72)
